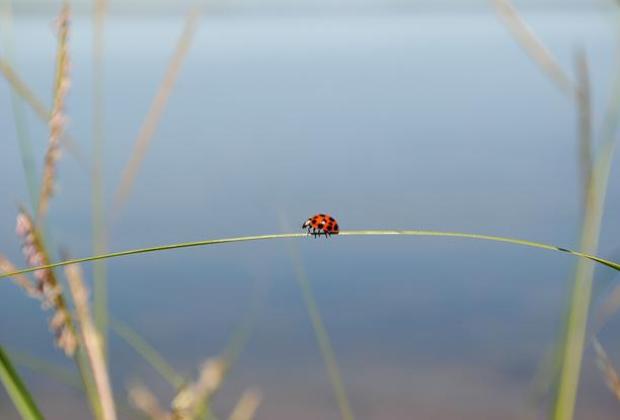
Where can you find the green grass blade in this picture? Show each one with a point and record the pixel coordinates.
(17, 390)
(41, 366)
(148, 353)
(322, 337)
(21, 127)
(577, 320)
(608, 263)
(580, 300)
(100, 290)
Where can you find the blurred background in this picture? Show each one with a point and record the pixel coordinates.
(385, 114)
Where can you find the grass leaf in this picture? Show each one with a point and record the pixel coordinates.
(16, 389)
(431, 233)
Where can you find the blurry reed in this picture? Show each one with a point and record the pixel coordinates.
(91, 341)
(189, 402)
(46, 287)
(612, 379)
(20, 279)
(26, 93)
(57, 119)
(145, 402)
(156, 110)
(247, 406)
(533, 46)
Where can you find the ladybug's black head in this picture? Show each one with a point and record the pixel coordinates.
(306, 224)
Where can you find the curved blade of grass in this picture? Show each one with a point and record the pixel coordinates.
(17, 390)
(431, 233)
(321, 334)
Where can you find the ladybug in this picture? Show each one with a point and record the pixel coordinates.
(321, 224)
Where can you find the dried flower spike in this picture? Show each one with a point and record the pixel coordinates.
(57, 120)
(46, 288)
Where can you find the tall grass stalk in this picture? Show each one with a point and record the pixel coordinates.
(57, 117)
(25, 145)
(91, 342)
(594, 178)
(429, 233)
(533, 46)
(578, 313)
(21, 397)
(19, 86)
(612, 379)
(88, 380)
(148, 353)
(156, 110)
(322, 337)
(100, 292)
(577, 319)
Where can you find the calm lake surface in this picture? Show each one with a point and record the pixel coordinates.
(428, 121)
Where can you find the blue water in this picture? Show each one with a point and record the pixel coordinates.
(420, 121)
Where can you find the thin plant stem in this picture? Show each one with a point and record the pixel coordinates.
(584, 107)
(91, 342)
(582, 289)
(607, 368)
(41, 366)
(88, 380)
(21, 127)
(100, 289)
(532, 45)
(430, 233)
(57, 116)
(322, 337)
(148, 353)
(594, 204)
(20, 87)
(155, 113)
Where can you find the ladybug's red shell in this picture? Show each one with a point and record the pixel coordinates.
(321, 224)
